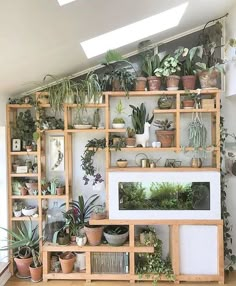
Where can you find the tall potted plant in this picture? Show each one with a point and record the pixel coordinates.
(189, 67)
(22, 241)
(141, 123)
(36, 267)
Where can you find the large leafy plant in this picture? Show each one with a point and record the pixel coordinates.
(22, 240)
(139, 117)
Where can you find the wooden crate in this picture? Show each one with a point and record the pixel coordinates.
(208, 103)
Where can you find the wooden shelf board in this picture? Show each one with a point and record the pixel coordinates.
(89, 105)
(144, 149)
(24, 218)
(161, 169)
(79, 275)
(155, 111)
(157, 222)
(54, 131)
(53, 197)
(50, 247)
(24, 175)
(24, 197)
(158, 92)
(24, 153)
(85, 130)
(198, 110)
(19, 106)
(118, 130)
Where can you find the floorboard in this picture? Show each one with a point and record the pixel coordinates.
(231, 280)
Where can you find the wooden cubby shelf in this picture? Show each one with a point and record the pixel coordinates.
(177, 114)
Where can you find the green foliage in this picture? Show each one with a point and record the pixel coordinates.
(24, 127)
(163, 124)
(197, 134)
(139, 118)
(152, 264)
(25, 237)
(132, 195)
(87, 160)
(230, 258)
(150, 63)
(116, 229)
(130, 132)
(81, 210)
(112, 56)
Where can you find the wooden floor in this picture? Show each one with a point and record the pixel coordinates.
(231, 280)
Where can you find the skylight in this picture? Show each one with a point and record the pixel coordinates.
(64, 2)
(134, 32)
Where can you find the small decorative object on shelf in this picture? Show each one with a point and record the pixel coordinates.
(122, 163)
(165, 102)
(16, 145)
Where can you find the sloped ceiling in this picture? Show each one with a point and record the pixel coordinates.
(38, 37)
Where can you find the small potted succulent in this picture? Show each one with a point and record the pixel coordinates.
(119, 122)
(190, 100)
(17, 208)
(130, 140)
(99, 212)
(165, 133)
(60, 189)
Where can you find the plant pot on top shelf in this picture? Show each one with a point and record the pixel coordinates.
(140, 83)
(172, 82)
(189, 81)
(116, 235)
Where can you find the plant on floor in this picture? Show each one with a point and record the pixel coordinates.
(230, 258)
(152, 264)
(87, 162)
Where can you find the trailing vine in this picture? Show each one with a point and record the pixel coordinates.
(230, 258)
(152, 264)
(87, 160)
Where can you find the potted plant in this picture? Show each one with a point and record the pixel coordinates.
(141, 123)
(60, 91)
(211, 66)
(116, 235)
(190, 100)
(170, 68)
(36, 267)
(165, 134)
(17, 208)
(188, 66)
(130, 140)
(60, 189)
(22, 241)
(98, 213)
(81, 239)
(122, 163)
(67, 260)
(151, 62)
(118, 122)
(94, 234)
(72, 223)
(147, 235)
(89, 90)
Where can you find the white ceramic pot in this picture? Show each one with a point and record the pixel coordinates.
(118, 125)
(81, 240)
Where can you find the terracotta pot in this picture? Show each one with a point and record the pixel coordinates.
(60, 191)
(67, 260)
(24, 191)
(208, 79)
(98, 216)
(166, 137)
(22, 265)
(130, 142)
(154, 83)
(73, 238)
(63, 240)
(189, 81)
(94, 234)
(188, 103)
(116, 85)
(172, 82)
(36, 273)
(140, 83)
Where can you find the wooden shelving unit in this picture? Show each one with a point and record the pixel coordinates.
(131, 246)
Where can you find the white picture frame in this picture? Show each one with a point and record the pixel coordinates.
(56, 153)
(148, 177)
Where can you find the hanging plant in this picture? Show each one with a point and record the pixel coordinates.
(197, 133)
(87, 160)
